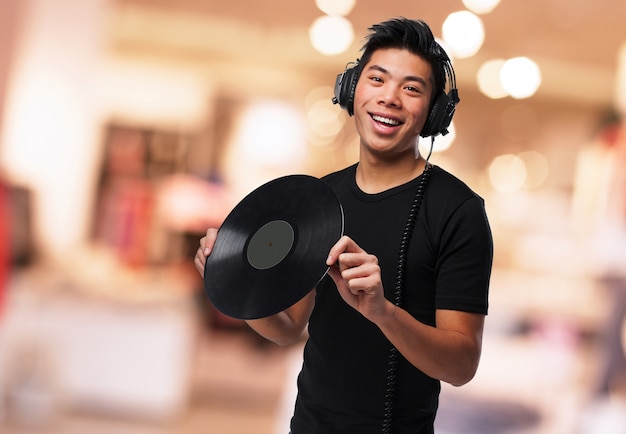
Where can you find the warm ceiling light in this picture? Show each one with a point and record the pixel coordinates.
(520, 77)
(268, 146)
(481, 6)
(488, 78)
(336, 7)
(331, 34)
(464, 33)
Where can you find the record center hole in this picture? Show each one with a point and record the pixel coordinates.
(270, 244)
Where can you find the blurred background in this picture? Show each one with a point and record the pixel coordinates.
(127, 127)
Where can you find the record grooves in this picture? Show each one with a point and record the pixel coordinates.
(271, 249)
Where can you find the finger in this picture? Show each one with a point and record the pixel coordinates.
(345, 244)
(208, 241)
(204, 250)
(334, 273)
(360, 271)
(361, 285)
(200, 261)
(353, 260)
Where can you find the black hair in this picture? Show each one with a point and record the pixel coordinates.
(414, 36)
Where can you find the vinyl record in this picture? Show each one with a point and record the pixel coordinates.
(271, 249)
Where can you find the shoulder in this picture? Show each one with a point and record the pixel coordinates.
(447, 196)
(340, 176)
(342, 182)
(446, 186)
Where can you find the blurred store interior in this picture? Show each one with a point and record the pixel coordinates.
(128, 127)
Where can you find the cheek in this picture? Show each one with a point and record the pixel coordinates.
(421, 117)
(358, 95)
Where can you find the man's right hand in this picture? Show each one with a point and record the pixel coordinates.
(206, 246)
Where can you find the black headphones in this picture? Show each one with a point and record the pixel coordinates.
(441, 111)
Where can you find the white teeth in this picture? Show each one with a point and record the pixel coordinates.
(385, 120)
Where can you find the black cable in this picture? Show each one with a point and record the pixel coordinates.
(404, 244)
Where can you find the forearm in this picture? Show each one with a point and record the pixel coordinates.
(278, 328)
(285, 327)
(449, 352)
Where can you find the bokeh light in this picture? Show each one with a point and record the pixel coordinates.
(520, 77)
(464, 32)
(267, 145)
(488, 79)
(481, 6)
(507, 173)
(537, 168)
(331, 35)
(335, 7)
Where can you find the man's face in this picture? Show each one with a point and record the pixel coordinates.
(391, 101)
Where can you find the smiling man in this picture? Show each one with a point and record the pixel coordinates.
(403, 305)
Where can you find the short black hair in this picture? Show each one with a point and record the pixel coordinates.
(414, 36)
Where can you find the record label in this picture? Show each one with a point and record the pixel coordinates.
(271, 249)
(270, 244)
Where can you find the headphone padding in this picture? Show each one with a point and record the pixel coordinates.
(345, 85)
(440, 116)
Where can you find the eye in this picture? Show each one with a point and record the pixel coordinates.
(414, 89)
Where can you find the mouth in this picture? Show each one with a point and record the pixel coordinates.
(390, 122)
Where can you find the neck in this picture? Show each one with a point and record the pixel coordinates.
(375, 176)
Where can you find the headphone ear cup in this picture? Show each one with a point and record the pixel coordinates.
(440, 116)
(345, 86)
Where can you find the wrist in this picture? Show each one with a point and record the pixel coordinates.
(384, 317)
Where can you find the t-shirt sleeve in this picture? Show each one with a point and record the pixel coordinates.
(464, 266)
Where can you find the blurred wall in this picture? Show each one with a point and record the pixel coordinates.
(51, 117)
(8, 21)
(72, 67)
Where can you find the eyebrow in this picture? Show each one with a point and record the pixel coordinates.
(407, 78)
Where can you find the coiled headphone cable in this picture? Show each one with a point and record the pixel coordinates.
(404, 244)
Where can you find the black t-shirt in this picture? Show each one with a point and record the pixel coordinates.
(341, 388)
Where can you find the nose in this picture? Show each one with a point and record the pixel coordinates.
(389, 96)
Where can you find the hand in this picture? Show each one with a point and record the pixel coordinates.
(206, 246)
(357, 276)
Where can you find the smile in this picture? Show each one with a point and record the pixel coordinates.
(386, 121)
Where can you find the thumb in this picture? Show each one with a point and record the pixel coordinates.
(335, 273)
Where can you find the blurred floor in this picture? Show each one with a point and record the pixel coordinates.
(538, 375)
(239, 382)
(237, 386)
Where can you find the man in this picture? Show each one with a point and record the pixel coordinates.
(403, 305)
